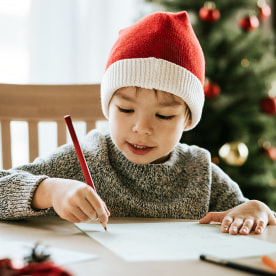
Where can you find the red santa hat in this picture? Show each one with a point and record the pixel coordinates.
(160, 51)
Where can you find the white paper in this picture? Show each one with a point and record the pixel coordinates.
(17, 250)
(167, 241)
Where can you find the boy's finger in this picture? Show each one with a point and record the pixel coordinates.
(259, 229)
(107, 211)
(235, 225)
(247, 226)
(212, 217)
(79, 215)
(226, 224)
(272, 219)
(99, 206)
(87, 209)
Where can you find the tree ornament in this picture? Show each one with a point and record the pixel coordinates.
(249, 23)
(268, 105)
(267, 148)
(215, 160)
(271, 152)
(272, 183)
(264, 10)
(245, 62)
(209, 13)
(234, 153)
(211, 89)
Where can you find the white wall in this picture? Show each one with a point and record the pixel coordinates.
(70, 39)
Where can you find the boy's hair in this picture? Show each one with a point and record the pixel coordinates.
(160, 51)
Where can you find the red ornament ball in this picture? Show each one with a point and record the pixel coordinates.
(268, 105)
(249, 23)
(209, 13)
(264, 10)
(211, 90)
(271, 152)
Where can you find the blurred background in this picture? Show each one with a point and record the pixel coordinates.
(68, 41)
(58, 42)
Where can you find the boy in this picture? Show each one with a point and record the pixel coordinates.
(152, 90)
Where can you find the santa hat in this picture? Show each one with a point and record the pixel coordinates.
(160, 51)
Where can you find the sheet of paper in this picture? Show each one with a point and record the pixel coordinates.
(167, 241)
(17, 250)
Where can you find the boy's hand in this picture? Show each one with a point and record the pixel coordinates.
(72, 200)
(250, 216)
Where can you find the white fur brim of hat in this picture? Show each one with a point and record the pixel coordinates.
(153, 73)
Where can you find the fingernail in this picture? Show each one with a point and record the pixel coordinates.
(258, 230)
(244, 230)
(234, 230)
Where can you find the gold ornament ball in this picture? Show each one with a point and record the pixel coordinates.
(234, 153)
(244, 62)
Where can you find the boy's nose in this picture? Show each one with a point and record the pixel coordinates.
(142, 126)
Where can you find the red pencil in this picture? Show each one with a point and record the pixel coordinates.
(81, 158)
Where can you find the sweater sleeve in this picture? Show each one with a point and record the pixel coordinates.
(225, 193)
(18, 185)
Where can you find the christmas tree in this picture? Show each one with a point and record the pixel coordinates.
(238, 124)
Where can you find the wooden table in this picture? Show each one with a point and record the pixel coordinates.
(55, 232)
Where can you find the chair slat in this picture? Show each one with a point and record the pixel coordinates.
(6, 144)
(61, 133)
(90, 125)
(33, 140)
(46, 103)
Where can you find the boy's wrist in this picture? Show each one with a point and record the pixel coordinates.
(42, 195)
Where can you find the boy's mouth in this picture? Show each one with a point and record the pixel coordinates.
(139, 149)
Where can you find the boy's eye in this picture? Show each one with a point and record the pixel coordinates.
(124, 110)
(163, 117)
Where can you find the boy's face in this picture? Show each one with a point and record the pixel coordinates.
(146, 124)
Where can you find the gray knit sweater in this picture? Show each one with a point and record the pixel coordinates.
(187, 185)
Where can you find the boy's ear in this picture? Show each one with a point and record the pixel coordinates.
(188, 123)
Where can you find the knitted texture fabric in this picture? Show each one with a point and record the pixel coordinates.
(186, 186)
(160, 51)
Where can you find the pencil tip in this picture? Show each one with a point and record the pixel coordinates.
(104, 226)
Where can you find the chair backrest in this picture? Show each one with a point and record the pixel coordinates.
(36, 103)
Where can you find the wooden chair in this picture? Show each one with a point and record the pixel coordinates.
(35, 103)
